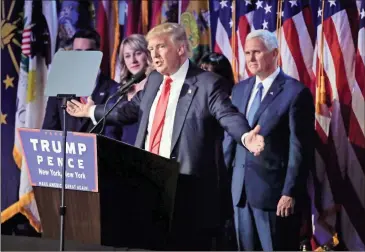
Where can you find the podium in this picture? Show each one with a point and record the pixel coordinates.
(132, 205)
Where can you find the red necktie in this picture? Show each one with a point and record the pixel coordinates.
(159, 118)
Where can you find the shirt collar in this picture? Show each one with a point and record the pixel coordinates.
(269, 80)
(181, 73)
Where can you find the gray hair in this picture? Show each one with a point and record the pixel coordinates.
(268, 38)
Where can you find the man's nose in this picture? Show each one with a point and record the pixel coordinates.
(252, 57)
(155, 54)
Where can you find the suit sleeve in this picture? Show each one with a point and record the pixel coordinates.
(52, 118)
(124, 113)
(301, 146)
(229, 144)
(222, 109)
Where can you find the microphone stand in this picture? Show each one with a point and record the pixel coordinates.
(65, 98)
(122, 92)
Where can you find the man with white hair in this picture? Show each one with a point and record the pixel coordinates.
(268, 191)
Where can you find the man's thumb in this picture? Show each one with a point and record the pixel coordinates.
(89, 100)
(257, 129)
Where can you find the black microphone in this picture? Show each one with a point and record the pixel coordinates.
(138, 77)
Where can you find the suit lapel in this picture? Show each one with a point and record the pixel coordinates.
(186, 97)
(152, 88)
(246, 96)
(273, 91)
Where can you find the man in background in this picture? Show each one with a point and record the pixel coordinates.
(269, 190)
(83, 40)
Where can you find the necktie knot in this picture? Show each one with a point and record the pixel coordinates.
(260, 87)
(168, 80)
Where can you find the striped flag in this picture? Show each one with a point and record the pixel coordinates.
(339, 196)
(225, 38)
(296, 41)
(245, 11)
(38, 45)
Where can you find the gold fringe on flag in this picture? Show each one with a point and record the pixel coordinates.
(321, 89)
(233, 43)
(19, 207)
(115, 7)
(278, 27)
(144, 17)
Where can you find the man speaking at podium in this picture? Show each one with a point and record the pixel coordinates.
(182, 113)
(83, 40)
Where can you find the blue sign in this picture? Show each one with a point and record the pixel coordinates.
(43, 150)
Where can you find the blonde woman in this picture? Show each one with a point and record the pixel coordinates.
(134, 57)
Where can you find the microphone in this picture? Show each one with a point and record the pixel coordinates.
(138, 77)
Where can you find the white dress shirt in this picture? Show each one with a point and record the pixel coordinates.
(266, 86)
(178, 79)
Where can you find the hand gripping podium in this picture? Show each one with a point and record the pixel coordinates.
(116, 194)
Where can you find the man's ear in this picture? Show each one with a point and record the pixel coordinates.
(275, 51)
(181, 49)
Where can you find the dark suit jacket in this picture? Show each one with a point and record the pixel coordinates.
(286, 117)
(53, 119)
(204, 109)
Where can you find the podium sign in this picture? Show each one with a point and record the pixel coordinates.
(44, 159)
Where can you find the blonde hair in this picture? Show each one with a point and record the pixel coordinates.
(175, 31)
(136, 42)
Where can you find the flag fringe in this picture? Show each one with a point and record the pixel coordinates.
(20, 207)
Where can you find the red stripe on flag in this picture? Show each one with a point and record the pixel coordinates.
(360, 73)
(342, 85)
(156, 13)
(292, 39)
(307, 16)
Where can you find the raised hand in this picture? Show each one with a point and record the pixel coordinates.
(255, 142)
(78, 109)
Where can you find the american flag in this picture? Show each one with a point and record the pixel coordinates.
(244, 12)
(223, 39)
(339, 169)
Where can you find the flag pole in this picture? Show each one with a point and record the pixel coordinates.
(278, 28)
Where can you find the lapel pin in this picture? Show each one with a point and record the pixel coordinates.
(189, 91)
(271, 93)
(101, 93)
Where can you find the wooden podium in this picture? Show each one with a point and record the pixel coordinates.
(133, 206)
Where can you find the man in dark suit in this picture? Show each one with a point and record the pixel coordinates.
(268, 190)
(83, 40)
(182, 113)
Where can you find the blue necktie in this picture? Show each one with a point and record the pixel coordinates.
(255, 104)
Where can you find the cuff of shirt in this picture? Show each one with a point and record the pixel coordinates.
(91, 114)
(243, 139)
